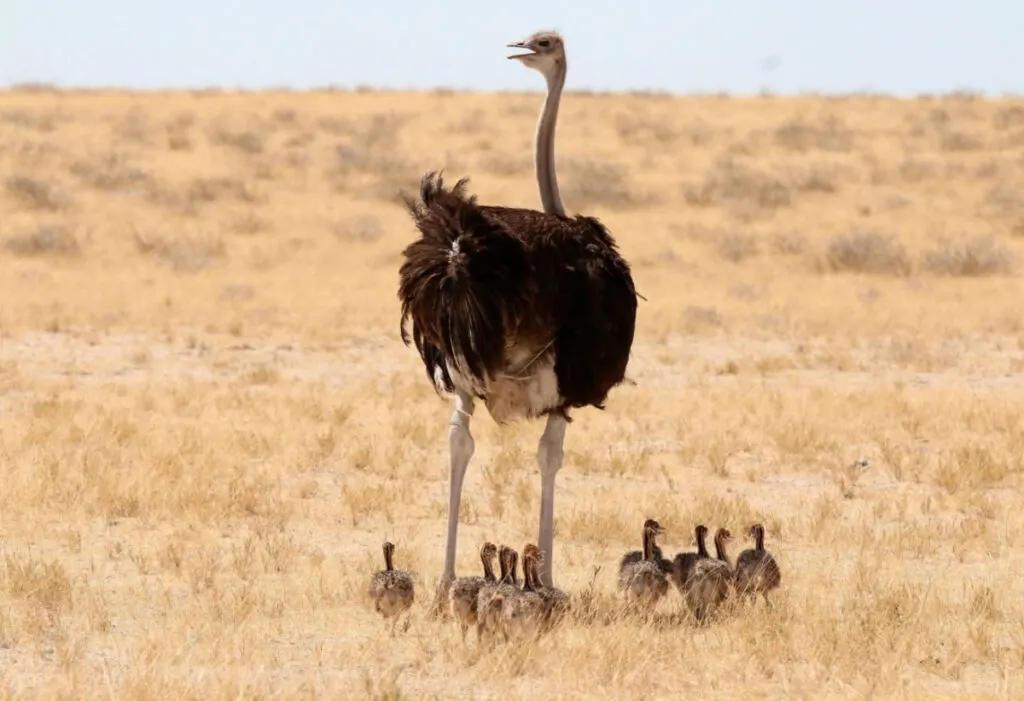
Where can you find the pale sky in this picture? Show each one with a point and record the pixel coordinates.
(739, 46)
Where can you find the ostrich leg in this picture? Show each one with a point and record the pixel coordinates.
(549, 459)
(460, 448)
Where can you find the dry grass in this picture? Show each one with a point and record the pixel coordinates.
(208, 424)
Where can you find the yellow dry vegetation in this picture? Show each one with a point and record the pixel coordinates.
(208, 423)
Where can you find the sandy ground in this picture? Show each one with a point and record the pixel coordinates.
(208, 423)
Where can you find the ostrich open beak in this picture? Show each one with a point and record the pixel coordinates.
(521, 45)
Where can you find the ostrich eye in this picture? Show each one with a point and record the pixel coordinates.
(544, 43)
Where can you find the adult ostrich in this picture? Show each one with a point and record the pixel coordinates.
(531, 312)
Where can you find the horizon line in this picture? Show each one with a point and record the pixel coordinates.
(42, 86)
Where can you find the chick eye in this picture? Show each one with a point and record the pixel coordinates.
(543, 43)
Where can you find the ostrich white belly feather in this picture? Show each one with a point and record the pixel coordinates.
(527, 388)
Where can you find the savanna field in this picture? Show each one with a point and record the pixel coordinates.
(209, 424)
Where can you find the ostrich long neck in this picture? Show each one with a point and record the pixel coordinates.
(702, 549)
(534, 577)
(528, 573)
(648, 542)
(488, 566)
(544, 143)
(720, 548)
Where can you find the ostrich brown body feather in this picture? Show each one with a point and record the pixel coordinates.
(493, 291)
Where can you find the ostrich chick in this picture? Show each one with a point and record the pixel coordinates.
(682, 564)
(710, 578)
(644, 581)
(391, 590)
(756, 569)
(491, 597)
(637, 555)
(522, 615)
(556, 601)
(464, 592)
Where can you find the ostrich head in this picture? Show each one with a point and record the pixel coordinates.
(531, 550)
(653, 526)
(546, 53)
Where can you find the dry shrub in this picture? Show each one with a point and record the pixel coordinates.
(284, 116)
(336, 126)
(372, 164)
(474, 121)
(867, 252)
(644, 130)
(179, 128)
(696, 318)
(1011, 117)
(740, 188)
(915, 169)
(43, 585)
(505, 165)
(975, 257)
(49, 240)
(988, 169)
(387, 189)
(133, 127)
(1005, 201)
(699, 133)
(381, 130)
(248, 142)
(179, 141)
(789, 243)
(737, 247)
(358, 229)
(268, 168)
(202, 191)
(111, 171)
(32, 154)
(37, 194)
(828, 135)
(816, 177)
(249, 223)
(957, 141)
(43, 123)
(589, 183)
(188, 254)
